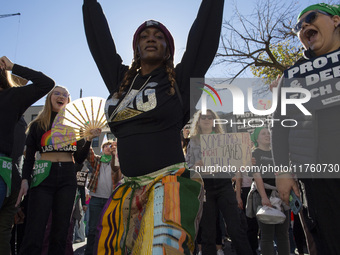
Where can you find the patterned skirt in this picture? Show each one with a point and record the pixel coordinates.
(156, 214)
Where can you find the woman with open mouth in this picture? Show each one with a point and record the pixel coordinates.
(314, 142)
(52, 178)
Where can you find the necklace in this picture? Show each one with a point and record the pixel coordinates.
(126, 100)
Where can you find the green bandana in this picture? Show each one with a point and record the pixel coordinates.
(255, 135)
(331, 9)
(105, 158)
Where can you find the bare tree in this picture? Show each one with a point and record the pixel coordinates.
(248, 40)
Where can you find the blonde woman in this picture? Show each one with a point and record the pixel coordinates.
(201, 124)
(219, 193)
(56, 191)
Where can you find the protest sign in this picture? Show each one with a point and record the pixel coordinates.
(223, 150)
(81, 178)
(320, 76)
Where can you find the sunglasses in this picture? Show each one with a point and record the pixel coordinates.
(310, 18)
(209, 117)
(57, 93)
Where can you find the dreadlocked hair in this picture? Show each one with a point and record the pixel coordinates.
(135, 67)
(170, 69)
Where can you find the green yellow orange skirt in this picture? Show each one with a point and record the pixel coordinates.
(155, 214)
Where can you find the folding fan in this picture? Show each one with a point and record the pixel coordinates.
(76, 120)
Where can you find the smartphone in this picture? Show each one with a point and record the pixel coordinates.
(294, 203)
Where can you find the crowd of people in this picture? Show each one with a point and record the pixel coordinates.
(152, 201)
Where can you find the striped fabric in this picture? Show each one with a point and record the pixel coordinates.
(153, 214)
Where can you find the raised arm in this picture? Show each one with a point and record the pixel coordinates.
(92, 158)
(202, 45)
(27, 95)
(203, 39)
(101, 45)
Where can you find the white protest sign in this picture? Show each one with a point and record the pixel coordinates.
(223, 150)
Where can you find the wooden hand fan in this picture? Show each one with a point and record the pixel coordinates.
(77, 119)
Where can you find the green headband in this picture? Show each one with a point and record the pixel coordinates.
(255, 135)
(331, 9)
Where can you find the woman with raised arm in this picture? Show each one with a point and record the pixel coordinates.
(14, 100)
(52, 179)
(157, 209)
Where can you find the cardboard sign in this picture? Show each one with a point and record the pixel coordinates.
(232, 149)
(321, 76)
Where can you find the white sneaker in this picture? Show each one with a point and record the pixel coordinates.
(199, 253)
(220, 252)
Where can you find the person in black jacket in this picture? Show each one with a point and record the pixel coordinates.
(315, 140)
(14, 100)
(149, 104)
